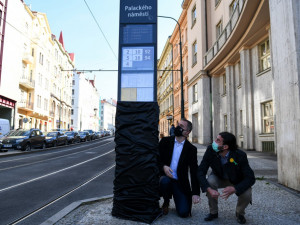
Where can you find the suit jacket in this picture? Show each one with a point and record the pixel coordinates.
(187, 160)
(239, 173)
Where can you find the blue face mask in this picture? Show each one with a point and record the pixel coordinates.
(215, 146)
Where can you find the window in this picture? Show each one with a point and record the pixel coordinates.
(267, 117)
(217, 2)
(232, 7)
(72, 112)
(265, 56)
(73, 91)
(32, 52)
(45, 104)
(194, 52)
(225, 122)
(195, 93)
(73, 82)
(0, 17)
(72, 122)
(224, 84)
(194, 16)
(219, 29)
(72, 101)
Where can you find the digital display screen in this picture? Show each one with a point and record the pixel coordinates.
(137, 58)
(138, 34)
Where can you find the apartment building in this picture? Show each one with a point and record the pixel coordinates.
(85, 103)
(243, 76)
(108, 115)
(33, 61)
(177, 37)
(165, 96)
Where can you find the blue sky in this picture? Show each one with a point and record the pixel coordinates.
(82, 36)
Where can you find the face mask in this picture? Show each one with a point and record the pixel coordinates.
(215, 147)
(178, 131)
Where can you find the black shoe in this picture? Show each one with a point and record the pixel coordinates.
(240, 218)
(165, 208)
(211, 217)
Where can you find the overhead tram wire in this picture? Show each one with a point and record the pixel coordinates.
(101, 30)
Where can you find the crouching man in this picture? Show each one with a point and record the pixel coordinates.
(231, 171)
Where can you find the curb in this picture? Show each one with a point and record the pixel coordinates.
(62, 213)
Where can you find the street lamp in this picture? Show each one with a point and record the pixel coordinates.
(181, 69)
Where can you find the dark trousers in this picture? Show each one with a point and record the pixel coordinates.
(169, 187)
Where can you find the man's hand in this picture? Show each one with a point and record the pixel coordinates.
(227, 192)
(213, 193)
(196, 199)
(168, 171)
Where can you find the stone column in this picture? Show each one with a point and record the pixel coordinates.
(231, 104)
(285, 54)
(247, 92)
(204, 109)
(216, 106)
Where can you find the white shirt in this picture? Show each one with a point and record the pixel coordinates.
(178, 146)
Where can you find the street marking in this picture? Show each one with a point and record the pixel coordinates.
(58, 171)
(27, 164)
(66, 194)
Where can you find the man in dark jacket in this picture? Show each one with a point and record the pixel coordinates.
(177, 157)
(231, 171)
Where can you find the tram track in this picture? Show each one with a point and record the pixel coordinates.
(45, 205)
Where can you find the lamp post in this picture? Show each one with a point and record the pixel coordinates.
(181, 69)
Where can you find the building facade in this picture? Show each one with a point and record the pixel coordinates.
(85, 103)
(245, 80)
(108, 114)
(165, 96)
(32, 64)
(175, 42)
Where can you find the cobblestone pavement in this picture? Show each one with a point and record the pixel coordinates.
(272, 203)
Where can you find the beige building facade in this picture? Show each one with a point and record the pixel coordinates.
(243, 76)
(32, 74)
(165, 96)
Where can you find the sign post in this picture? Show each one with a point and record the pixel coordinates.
(136, 183)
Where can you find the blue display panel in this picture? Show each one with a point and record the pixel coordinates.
(138, 34)
(137, 58)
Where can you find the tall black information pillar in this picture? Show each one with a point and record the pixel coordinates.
(136, 183)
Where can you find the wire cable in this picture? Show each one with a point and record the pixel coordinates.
(101, 30)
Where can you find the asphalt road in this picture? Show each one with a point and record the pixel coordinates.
(36, 186)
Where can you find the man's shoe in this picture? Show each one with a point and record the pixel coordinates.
(240, 218)
(165, 208)
(211, 217)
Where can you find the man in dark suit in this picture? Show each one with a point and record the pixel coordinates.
(177, 157)
(231, 171)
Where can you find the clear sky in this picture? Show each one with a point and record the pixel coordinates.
(83, 37)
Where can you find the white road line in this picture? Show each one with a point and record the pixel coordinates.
(50, 174)
(66, 194)
(27, 164)
(50, 153)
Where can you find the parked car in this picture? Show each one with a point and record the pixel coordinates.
(84, 136)
(92, 134)
(73, 137)
(55, 138)
(23, 140)
(98, 135)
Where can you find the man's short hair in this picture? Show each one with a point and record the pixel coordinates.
(189, 124)
(229, 139)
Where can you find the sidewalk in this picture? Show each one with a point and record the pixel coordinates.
(272, 203)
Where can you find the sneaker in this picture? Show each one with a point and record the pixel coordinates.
(240, 218)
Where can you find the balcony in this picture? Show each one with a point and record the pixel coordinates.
(27, 82)
(214, 50)
(25, 105)
(27, 58)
